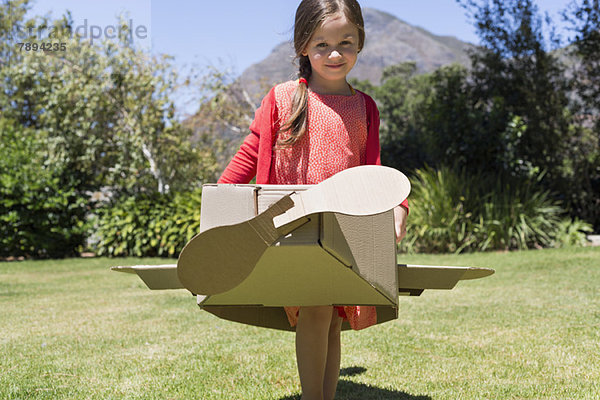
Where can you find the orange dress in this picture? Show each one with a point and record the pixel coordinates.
(336, 140)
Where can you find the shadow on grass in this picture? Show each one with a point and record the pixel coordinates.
(348, 390)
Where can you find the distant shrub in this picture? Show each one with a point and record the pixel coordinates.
(40, 219)
(41, 213)
(457, 212)
(147, 225)
(572, 233)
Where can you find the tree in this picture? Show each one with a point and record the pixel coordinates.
(224, 114)
(456, 129)
(515, 75)
(91, 117)
(400, 96)
(584, 19)
(584, 162)
(107, 111)
(41, 213)
(431, 119)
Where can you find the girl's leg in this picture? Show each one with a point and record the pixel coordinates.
(311, 349)
(334, 352)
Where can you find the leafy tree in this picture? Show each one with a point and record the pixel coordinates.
(514, 74)
(431, 119)
(12, 20)
(583, 167)
(93, 117)
(584, 19)
(399, 97)
(456, 128)
(224, 114)
(107, 111)
(41, 214)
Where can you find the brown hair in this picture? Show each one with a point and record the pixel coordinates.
(309, 16)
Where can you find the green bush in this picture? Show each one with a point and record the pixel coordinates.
(572, 233)
(439, 220)
(41, 213)
(455, 212)
(147, 225)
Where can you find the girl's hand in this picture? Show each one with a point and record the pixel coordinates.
(400, 214)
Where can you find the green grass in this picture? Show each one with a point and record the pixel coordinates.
(73, 329)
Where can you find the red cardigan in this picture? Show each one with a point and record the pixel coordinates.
(254, 156)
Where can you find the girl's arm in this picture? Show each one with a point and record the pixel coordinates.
(242, 168)
(400, 214)
(254, 156)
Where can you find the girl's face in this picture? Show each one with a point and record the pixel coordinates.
(332, 51)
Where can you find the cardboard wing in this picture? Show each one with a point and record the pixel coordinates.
(412, 281)
(156, 277)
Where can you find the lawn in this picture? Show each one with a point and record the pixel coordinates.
(72, 329)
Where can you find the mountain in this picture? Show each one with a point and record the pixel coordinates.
(389, 41)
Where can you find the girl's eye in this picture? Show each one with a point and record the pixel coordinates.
(322, 45)
(346, 43)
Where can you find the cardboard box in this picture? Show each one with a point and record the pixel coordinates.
(332, 259)
(222, 258)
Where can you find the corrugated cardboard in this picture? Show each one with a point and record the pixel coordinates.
(326, 258)
(222, 258)
(332, 259)
(314, 264)
(156, 277)
(412, 279)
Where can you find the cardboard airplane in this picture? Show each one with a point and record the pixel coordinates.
(262, 247)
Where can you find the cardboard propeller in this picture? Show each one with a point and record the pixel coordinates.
(209, 264)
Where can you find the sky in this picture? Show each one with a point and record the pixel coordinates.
(238, 33)
(234, 34)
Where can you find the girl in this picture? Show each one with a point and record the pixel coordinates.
(304, 132)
